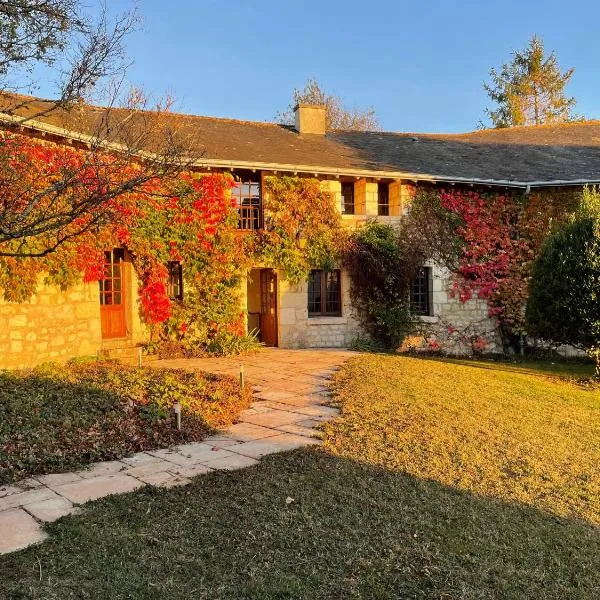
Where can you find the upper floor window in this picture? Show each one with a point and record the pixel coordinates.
(347, 198)
(324, 293)
(175, 281)
(247, 195)
(383, 199)
(421, 302)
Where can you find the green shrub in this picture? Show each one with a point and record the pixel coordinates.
(381, 273)
(564, 295)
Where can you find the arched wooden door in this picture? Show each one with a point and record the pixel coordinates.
(268, 307)
(112, 295)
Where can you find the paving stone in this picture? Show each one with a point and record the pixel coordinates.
(18, 530)
(319, 411)
(97, 487)
(165, 480)
(109, 467)
(311, 423)
(9, 490)
(199, 469)
(140, 458)
(25, 498)
(191, 454)
(273, 418)
(30, 483)
(220, 442)
(296, 400)
(230, 463)
(58, 479)
(274, 395)
(246, 432)
(278, 443)
(50, 510)
(157, 466)
(300, 430)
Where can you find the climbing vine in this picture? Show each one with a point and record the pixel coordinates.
(303, 230)
(494, 239)
(188, 218)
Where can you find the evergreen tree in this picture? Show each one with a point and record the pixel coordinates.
(564, 292)
(530, 90)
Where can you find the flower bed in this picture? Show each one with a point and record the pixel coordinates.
(57, 418)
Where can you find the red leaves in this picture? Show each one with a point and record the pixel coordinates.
(154, 300)
(502, 235)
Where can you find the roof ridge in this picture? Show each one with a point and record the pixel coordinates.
(31, 98)
(561, 124)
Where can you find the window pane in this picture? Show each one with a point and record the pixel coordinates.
(314, 292)
(332, 303)
(419, 296)
(383, 200)
(347, 198)
(175, 282)
(246, 193)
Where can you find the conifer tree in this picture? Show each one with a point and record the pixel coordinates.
(530, 90)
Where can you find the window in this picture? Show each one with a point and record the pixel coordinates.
(347, 198)
(246, 193)
(111, 285)
(383, 199)
(421, 293)
(324, 293)
(175, 282)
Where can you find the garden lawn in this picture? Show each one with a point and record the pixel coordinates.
(439, 481)
(59, 418)
(509, 431)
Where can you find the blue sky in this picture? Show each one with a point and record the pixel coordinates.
(420, 64)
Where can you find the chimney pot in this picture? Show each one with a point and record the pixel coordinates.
(311, 118)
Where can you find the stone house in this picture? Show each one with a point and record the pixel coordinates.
(371, 175)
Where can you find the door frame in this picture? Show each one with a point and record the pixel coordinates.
(275, 303)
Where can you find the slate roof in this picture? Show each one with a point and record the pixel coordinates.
(547, 154)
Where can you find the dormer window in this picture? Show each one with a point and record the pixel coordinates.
(248, 199)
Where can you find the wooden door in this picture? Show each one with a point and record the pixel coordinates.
(112, 296)
(268, 307)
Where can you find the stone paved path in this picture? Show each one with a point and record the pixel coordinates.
(290, 397)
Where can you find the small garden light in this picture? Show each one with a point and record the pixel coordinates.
(177, 409)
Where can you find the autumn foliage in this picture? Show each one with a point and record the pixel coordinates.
(500, 235)
(187, 217)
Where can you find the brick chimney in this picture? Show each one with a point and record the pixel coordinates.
(311, 118)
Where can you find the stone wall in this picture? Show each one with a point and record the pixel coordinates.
(52, 326)
(469, 320)
(56, 325)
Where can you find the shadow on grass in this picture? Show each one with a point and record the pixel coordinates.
(308, 525)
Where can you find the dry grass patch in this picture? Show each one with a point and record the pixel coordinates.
(511, 433)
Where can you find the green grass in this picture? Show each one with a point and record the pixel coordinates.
(62, 417)
(384, 510)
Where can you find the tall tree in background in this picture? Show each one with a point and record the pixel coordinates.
(338, 115)
(530, 90)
